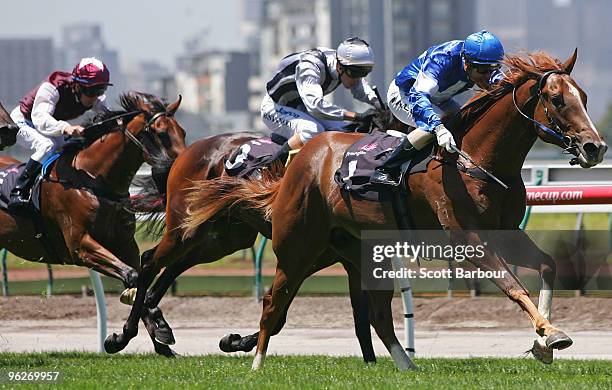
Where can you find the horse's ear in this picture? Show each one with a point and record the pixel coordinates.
(172, 107)
(569, 64)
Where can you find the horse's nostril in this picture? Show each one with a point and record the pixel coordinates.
(591, 151)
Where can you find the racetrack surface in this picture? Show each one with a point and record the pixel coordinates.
(455, 327)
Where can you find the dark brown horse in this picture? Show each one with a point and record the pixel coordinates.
(8, 129)
(310, 215)
(204, 160)
(83, 216)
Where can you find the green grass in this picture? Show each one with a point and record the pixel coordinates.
(187, 285)
(93, 371)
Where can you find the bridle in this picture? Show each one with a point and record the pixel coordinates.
(536, 92)
(146, 136)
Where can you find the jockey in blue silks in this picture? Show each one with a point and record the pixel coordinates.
(423, 91)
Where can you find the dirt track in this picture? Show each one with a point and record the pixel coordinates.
(317, 312)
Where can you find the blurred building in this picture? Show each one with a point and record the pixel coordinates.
(23, 65)
(145, 76)
(85, 40)
(214, 84)
(569, 24)
(397, 30)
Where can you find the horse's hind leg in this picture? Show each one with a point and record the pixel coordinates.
(524, 252)
(513, 288)
(288, 278)
(359, 303)
(380, 309)
(224, 239)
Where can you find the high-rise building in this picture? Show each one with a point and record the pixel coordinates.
(23, 65)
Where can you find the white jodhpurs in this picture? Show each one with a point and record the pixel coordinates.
(288, 121)
(30, 138)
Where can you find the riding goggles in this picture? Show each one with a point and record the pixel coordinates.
(95, 91)
(356, 71)
(484, 69)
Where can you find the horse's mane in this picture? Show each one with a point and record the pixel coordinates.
(519, 69)
(130, 101)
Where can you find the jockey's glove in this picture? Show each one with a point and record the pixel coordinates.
(366, 116)
(445, 138)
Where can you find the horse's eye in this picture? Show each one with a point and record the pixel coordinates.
(557, 101)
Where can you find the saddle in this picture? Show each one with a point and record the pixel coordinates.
(363, 158)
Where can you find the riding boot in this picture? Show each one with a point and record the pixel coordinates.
(20, 194)
(385, 173)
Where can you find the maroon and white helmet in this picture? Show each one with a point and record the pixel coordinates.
(90, 72)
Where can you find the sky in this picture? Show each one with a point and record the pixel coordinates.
(139, 30)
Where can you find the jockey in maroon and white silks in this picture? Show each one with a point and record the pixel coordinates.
(43, 112)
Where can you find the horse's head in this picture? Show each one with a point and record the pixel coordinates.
(156, 127)
(157, 132)
(561, 107)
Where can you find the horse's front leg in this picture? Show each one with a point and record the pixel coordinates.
(512, 287)
(93, 255)
(523, 252)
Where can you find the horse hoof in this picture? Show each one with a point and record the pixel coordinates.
(128, 296)
(111, 345)
(558, 340)
(541, 352)
(225, 344)
(165, 351)
(164, 336)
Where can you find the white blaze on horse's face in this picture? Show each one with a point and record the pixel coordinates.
(566, 106)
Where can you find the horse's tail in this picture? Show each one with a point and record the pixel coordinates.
(209, 198)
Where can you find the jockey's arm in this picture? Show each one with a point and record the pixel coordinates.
(308, 81)
(364, 93)
(425, 85)
(45, 101)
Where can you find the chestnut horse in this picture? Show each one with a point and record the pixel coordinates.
(204, 160)
(86, 221)
(311, 215)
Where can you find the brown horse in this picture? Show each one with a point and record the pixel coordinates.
(204, 160)
(311, 215)
(8, 129)
(83, 217)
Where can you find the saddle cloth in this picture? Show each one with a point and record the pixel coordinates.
(8, 178)
(363, 157)
(247, 157)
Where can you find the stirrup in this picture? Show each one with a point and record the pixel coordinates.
(382, 177)
(18, 202)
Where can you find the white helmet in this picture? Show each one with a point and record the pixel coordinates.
(356, 57)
